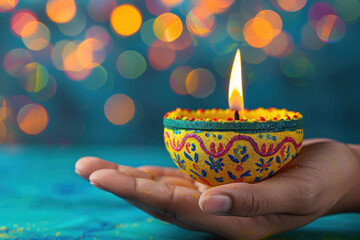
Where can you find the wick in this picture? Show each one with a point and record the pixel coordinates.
(237, 115)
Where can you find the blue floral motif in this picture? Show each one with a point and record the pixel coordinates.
(220, 179)
(196, 157)
(257, 179)
(215, 165)
(176, 132)
(233, 158)
(263, 166)
(245, 174)
(220, 137)
(193, 147)
(203, 173)
(271, 173)
(187, 156)
(260, 136)
(179, 162)
(268, 136)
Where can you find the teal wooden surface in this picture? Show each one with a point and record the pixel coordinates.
(42, 198)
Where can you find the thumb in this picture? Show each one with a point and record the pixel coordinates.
(274, 195)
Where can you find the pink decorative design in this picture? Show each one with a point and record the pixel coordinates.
(221, 153)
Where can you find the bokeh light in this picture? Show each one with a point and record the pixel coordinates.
(330, 28)
(8, 5)
(126, 20)
(15, 60)
(75, 26)
(252, 38)
(252, 55)
(97, 78)
(281, 46)
(348, 10)
(3, 132)
(100, 11)
(47, 92)
(215, 6)
(200, 83)
(167, 27)
(295, 65)
(32, 119)
(289, 5)
(22, 23)
(158, 7)
(172, 3)
(61, 11)
(35, 77)
(310, 39)
(161, 55)
(131, 64)
(39, 39)
(178, 79)
(119, 109)
(234, 26)
(147, 33)
(200, 22)
(4, 108)
(319, 10)
(267, 24)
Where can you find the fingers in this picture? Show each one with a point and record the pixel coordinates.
(274, 195)
(178, 202)
(165, 171)
(162, 216)
(87, 165)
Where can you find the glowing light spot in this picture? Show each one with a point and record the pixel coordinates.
(253, 55)
(57, 54)
(61, 11)
(119, 109)
(234, 26)
(8, 5)
(100, 11)
(161, 56)
(96, 79)
(15, 61)
(200, 83)
(295, 65)
(280, 46)
(47, 92)
(319, 10)
(77, 57)
(172, 3)
(131, 64)
(157, 7)
(200, 22)
(348, 10)
(184, 41)
(4, 108)
(147, 33)
(75, 26)
(35, 77)
(20, 20)
(178, 79)
(310, 39)
(39, 39)
(32, 119)
(126, 20)
(262, 21)
(2, 132)
(330, 28)
(252, 38)
(215, 6)
(289, 5)
(167, 27)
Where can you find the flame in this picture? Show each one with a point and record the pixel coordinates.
(236, 100)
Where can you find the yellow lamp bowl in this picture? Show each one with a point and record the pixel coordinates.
(213, 148)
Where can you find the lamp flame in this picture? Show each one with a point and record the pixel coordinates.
(236, 100)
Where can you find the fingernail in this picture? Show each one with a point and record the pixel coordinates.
(98, 186)
(80, 174)
(216, 204)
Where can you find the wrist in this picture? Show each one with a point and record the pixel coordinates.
(351, 200)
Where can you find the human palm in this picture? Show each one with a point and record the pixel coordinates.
(314, 184)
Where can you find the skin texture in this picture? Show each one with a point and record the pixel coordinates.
(323, 179)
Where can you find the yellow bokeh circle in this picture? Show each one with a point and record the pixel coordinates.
(126, 20)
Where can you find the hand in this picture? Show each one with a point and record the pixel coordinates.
(322, 180)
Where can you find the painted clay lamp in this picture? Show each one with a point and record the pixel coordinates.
(220, 146)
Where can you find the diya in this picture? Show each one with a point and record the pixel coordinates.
(217, 146)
